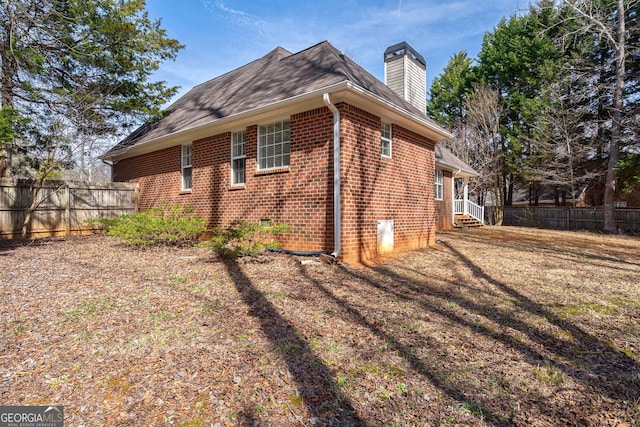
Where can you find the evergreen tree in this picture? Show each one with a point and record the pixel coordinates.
(518, 59)
(72, 68)
(449, 91)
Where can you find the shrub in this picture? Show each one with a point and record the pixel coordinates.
(162, 226)
(243, 238)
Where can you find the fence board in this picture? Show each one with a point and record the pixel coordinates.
(64, 207)
(569, 218)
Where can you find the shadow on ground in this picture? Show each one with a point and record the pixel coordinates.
(317, 389)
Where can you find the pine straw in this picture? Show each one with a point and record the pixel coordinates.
(497, 326)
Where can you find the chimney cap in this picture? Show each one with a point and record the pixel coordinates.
(403, 48)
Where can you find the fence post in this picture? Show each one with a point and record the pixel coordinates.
(136, 198)
(67, 209)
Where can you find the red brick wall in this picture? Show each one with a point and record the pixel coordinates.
(444, 207)
(301, 196)
(158, 174)
(632, 199)
(373, 188)
(595, 196)
(378, 188)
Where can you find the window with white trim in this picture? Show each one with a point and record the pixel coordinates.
(186, 168)
(439, 184)
(274, 145)
(385, 140)
(238, 158)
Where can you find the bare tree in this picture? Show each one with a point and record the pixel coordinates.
(562, 139)
(593, 16)
(480, 146)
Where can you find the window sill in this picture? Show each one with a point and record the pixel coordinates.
(185, 191)
(236, 187)
(284, 169)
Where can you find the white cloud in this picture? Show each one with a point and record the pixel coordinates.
(231, 33)
(235, 18)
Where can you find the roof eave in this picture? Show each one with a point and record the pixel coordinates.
(389, 111)
(457, 172)
(342, 91)
(225, 124)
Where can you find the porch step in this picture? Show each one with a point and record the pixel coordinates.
(465, 221)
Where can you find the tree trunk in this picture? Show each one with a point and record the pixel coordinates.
(34, 193)
(616, 126)
(7, 77)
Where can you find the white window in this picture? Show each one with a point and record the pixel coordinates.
(186, 167)
(238, 158)
(439, 184)
(274, 145)
(385, 140)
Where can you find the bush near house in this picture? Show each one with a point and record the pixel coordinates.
(243, 238)
(161, 226)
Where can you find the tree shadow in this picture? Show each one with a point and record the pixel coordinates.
(8, 245)
(317, 389)
(608, 361)
(574, 247)
(587, 359)
(405, 351)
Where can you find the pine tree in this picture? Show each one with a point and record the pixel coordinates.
(75, 67)
(72, 69)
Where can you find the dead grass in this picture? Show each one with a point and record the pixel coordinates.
(498, 326)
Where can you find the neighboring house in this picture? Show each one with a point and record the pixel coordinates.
(585, 197)
(548, 197)
(261, 142)
(621, 199)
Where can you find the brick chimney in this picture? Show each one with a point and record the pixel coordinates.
(405, 72)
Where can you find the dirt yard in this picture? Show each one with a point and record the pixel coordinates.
(496, 326)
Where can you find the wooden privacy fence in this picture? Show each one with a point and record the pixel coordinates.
(569, 218)
(63, 208)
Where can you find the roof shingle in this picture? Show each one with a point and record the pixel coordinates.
(277, 76)
(447, 158)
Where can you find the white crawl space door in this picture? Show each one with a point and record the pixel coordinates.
(385, 236)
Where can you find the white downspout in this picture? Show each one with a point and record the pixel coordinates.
(337, 226)
(111, 169)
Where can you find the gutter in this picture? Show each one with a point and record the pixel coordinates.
(341, 89)
(202, 130)
(111, 170)
(337, 223)
(423, 120)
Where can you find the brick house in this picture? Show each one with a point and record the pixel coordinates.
(310, 139)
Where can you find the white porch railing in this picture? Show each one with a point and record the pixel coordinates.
(458, 207)
(468, 208)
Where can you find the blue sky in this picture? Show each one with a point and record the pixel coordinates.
(222, 35)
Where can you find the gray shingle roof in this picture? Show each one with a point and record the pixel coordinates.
(277, 76)
(446, 158)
